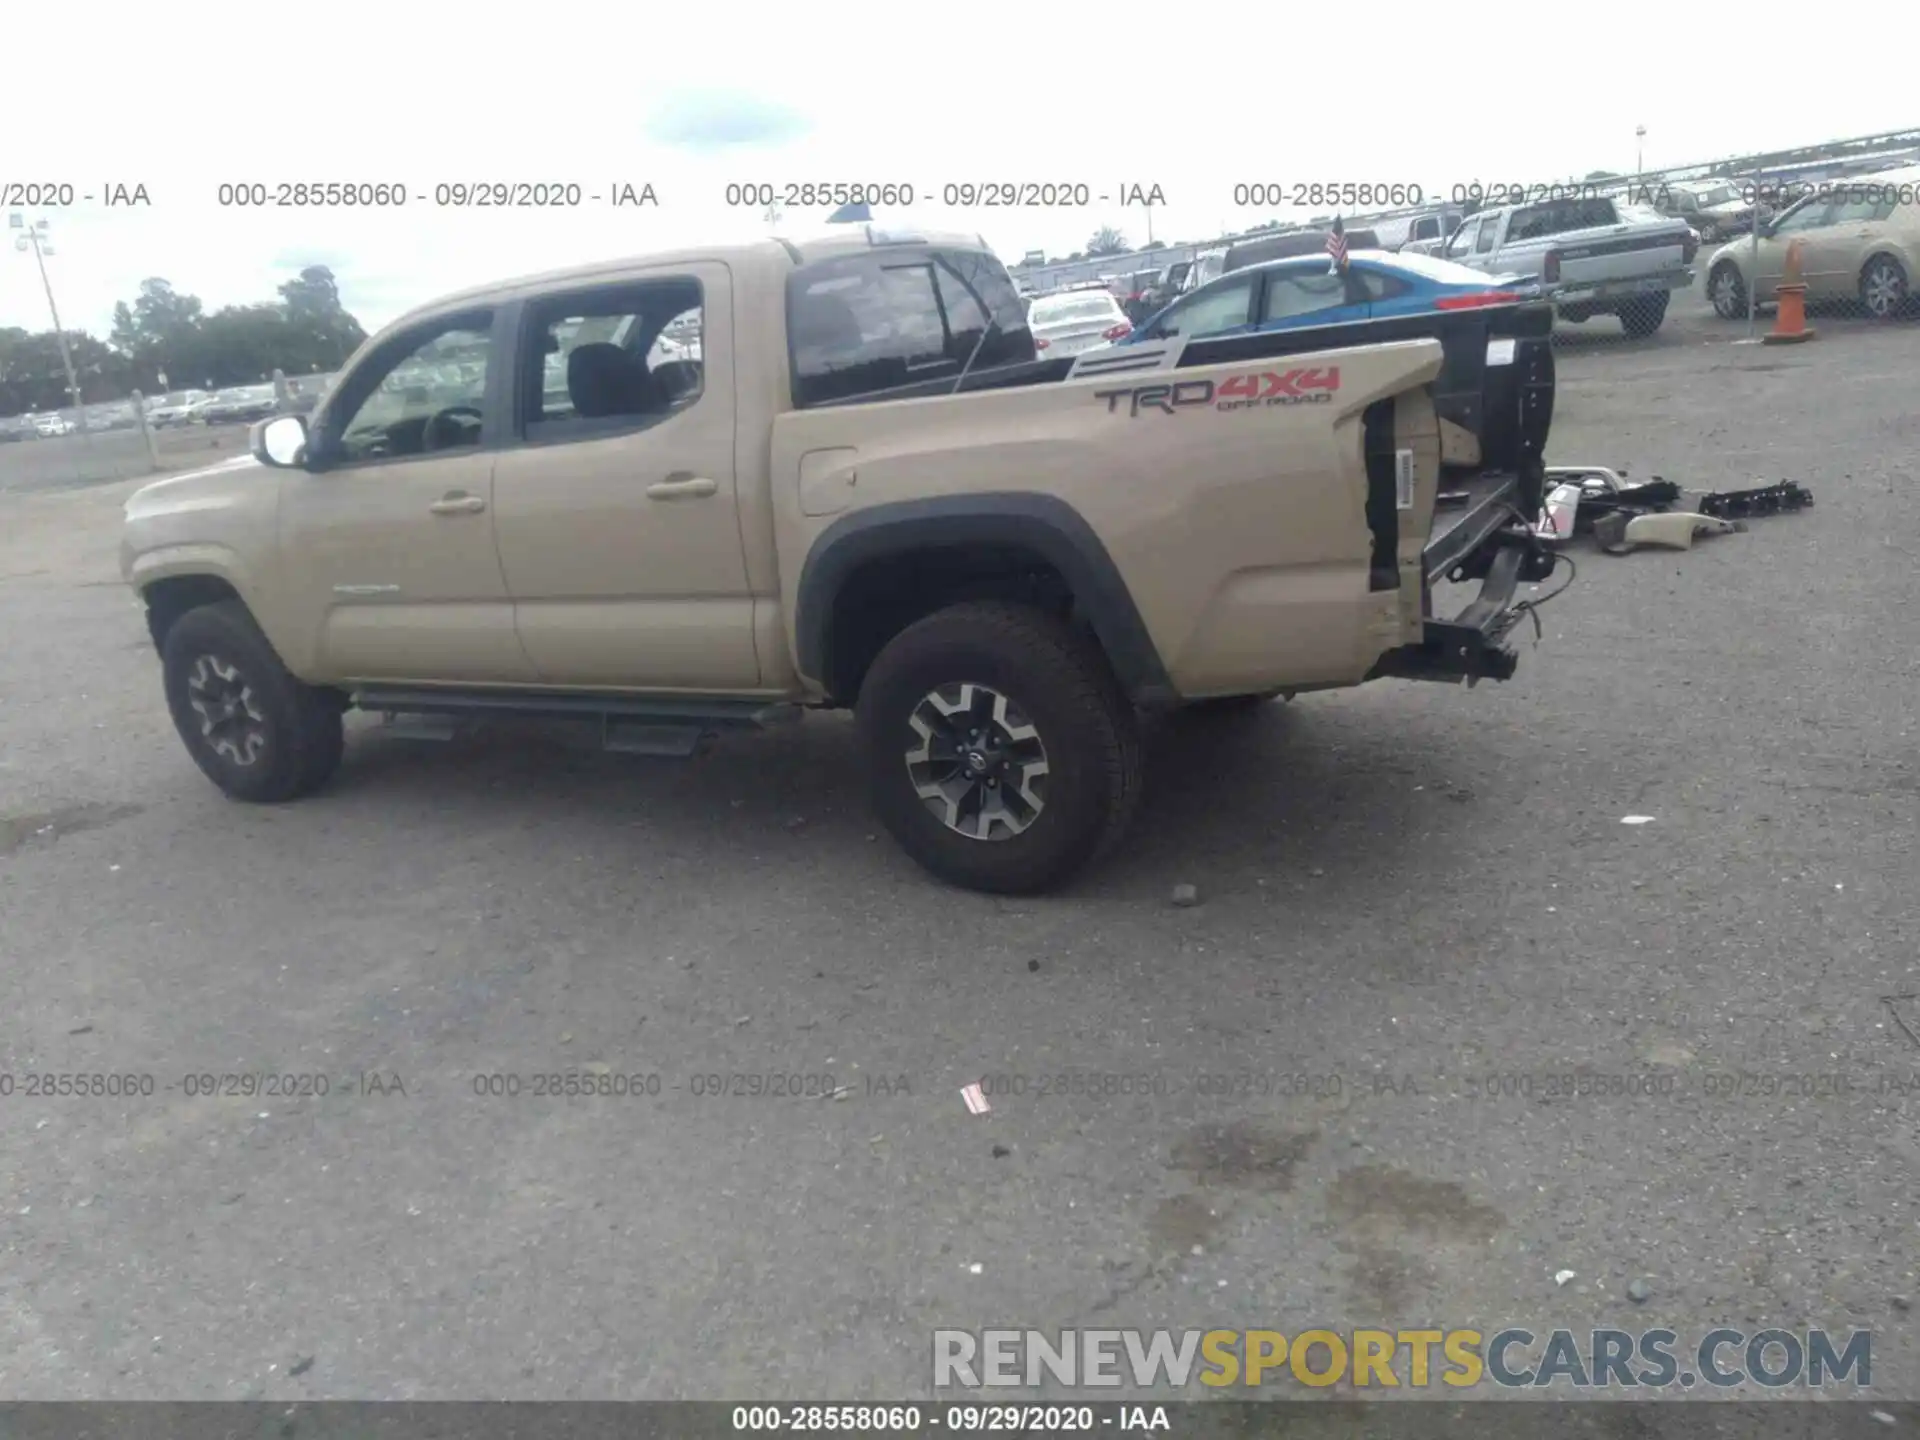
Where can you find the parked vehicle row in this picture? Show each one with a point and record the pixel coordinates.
(1859, 239)
(1592, 255)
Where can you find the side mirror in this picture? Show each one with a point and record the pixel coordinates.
(280, 441)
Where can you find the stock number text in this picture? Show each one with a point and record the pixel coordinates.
(761, 193)
(893, 1418)
(311, 195)
(1264, 193)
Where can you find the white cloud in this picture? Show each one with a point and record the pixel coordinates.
(354, 91)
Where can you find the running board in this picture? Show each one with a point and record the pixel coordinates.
(630, 725)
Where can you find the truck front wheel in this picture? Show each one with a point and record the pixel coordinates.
(1000, 751)
(253, 728)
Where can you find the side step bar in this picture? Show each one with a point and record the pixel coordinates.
(632, 725)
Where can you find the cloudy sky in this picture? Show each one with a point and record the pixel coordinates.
(690, 98)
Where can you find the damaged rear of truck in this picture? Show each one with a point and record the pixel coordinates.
(1491, 398)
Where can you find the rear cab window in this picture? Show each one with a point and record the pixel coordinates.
(1557, 217)
(864, 324)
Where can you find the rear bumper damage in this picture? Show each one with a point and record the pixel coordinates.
(1487, 538)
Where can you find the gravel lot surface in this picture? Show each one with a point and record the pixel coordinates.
(1404, 893)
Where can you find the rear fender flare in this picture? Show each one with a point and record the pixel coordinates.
(1044, 524)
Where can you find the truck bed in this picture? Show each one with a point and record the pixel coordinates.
(1507, 406)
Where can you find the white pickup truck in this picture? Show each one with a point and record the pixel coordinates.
(1594, 255)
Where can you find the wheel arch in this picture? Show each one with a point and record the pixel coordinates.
(169, 597)
(1025, 523)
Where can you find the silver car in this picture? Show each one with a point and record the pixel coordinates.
(1076, 321)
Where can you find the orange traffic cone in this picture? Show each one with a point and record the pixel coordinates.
(1790, 320)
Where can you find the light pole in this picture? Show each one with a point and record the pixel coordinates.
(1639, 153)
(34, 237)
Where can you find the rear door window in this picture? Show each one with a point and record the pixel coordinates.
(862, 324)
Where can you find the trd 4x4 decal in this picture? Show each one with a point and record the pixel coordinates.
(1253, 390)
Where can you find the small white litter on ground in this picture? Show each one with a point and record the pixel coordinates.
(1562, 1277)
(1636, 819)
(976, 1099)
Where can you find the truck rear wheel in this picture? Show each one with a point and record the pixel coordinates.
(253, 728)
(1000, 751)
(1644, 314)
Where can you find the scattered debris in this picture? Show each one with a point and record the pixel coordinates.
(81, 1030)
(975, 1268)
(976, 1099)
(1186, 895)
(1562, 513)
(1563, 1276)
(1884, 1418)
(1033, 965)
(1901, 1303)
(1675, 529)
(1000, 1152)
(301, 1366)
(1620, 516)
(1639, 1291)
(1763, 500)
(1636, 819)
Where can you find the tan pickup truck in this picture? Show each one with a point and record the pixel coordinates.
(705, 489)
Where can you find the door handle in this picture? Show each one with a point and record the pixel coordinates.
(458, 504)
(681, 486)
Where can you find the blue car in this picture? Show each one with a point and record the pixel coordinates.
(1307, 292)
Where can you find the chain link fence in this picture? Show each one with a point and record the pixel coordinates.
(125, 439)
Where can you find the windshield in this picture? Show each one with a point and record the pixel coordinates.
(1718, 195)
(1080, 307)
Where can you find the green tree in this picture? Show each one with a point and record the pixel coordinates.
(1106, 241)
(320, 331)
(33, 374)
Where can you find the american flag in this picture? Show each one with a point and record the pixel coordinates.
(1337, 244)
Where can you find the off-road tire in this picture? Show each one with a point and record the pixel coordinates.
(295, 743)
(1058, 679)
(1644, 314)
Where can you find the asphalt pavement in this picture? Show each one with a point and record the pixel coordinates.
(1440, 1027)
